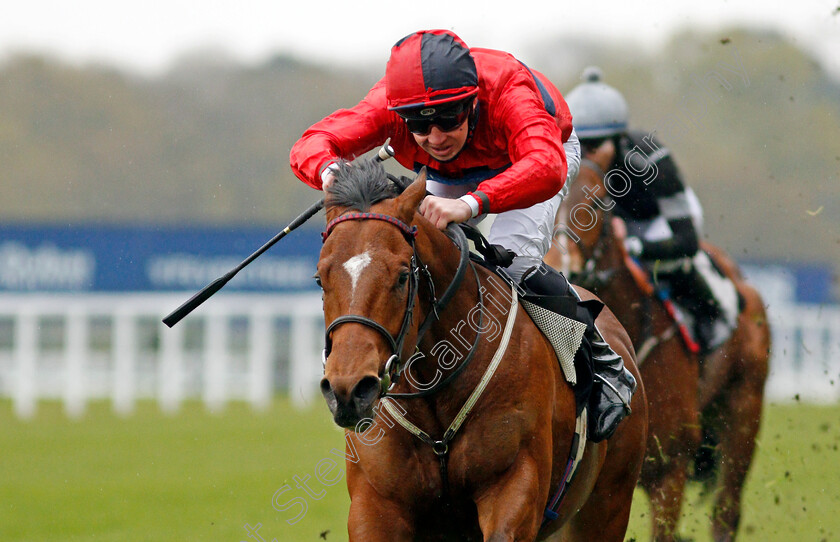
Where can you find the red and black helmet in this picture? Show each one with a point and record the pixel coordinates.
(428, 68)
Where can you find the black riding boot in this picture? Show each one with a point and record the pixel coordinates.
(691, 287)
(613, 385)
(693, 291)
(612, 390)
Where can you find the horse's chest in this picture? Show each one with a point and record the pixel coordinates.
(486, 446)
(490, 447)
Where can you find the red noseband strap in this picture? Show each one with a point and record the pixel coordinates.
(409, 231)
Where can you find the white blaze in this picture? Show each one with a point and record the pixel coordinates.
(355, 265)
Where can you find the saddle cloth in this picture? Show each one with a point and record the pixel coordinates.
(564, 334)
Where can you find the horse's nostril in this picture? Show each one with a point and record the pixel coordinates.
(326, 387)
(367, 389)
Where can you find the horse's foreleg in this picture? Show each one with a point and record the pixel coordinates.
(666, 493)
(511, 508)
(737, 413)
(717, 370)
(737, 444)
(375, 519)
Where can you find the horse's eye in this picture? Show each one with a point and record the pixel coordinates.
(403, 277)
(317, 278)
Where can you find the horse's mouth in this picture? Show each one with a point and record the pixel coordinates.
(350, 419)
(354, 415)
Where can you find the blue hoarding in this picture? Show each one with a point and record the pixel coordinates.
(95, 258)
(120, 258)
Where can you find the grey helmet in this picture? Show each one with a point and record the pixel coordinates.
(598, 110)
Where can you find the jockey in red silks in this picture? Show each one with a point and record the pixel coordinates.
(491, 133)
(495, 137)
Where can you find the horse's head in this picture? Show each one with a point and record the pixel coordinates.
(584, 231)
(369, 274)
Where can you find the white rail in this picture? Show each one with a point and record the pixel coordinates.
(76, 348)
(236, 347)
(805, 361)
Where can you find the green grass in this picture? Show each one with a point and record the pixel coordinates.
(192, 476)
(202, 476)
(793, 489)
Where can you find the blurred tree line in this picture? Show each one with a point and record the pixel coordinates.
(208, 141)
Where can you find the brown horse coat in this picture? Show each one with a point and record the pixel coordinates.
(510, 453)
(722, 403)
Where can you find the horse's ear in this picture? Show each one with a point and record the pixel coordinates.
(332, 211)
(411, 197)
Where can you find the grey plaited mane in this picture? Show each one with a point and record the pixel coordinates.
(359, 185)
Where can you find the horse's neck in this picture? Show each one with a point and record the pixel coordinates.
(452, 335)
(641, 314)
(620, 293)
(442, 257)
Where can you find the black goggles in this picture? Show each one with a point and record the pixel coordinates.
(446, 119)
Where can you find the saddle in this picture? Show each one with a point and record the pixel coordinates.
(547, 297)
(702, 328)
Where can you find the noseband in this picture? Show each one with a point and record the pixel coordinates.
(394, 363)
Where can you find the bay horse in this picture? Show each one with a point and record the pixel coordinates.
(705, 410)
(445, 452)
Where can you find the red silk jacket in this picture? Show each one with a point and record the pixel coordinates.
(515, 151)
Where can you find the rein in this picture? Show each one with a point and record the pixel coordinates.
(456, 234)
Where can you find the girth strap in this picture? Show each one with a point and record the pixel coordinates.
(575, 456)
(653, 341)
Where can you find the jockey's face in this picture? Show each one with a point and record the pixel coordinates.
(444, 146)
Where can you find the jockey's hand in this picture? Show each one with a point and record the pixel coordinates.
(619, 229)
(327, 181)
(442, 211)
(328, 176)
(631, 245)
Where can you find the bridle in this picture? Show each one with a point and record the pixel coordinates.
(394, 364)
